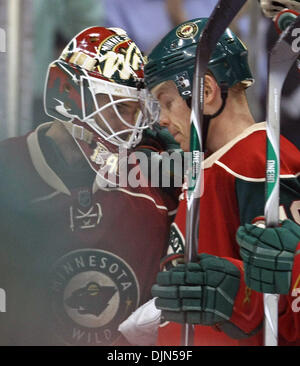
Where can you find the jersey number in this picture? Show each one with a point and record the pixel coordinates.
(295, 212)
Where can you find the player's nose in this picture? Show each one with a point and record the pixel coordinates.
(164, 120)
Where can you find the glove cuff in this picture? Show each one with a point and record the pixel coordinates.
(247, 312)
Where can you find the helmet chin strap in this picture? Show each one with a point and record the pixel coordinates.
(79, 132)
(208, 117)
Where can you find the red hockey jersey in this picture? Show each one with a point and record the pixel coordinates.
(74, 262)
(234, 180)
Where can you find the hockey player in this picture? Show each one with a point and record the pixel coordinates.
(277, 246)
(212, 292)
(77, 256)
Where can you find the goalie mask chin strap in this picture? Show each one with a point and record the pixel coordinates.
(78, 132)
(208, 117)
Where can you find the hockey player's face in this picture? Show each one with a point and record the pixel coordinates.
(174, 113)
(112, 115)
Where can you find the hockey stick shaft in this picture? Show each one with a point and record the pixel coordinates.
(220, 19)
(281, 58)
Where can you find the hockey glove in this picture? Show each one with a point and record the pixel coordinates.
(158, 139)
(165, 153)
(268, 255)
(198, 293)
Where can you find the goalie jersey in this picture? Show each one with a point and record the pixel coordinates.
(75, 260)
(234, 183)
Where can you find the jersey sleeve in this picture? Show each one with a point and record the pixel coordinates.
(219, 214)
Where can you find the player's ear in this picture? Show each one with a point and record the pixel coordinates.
(211, 90)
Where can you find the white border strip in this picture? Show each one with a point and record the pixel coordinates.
(45, 198)
(141, 195)
(249, 179)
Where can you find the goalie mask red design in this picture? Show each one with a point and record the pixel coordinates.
(96, 85)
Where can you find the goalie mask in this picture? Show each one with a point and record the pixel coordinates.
(95, 85)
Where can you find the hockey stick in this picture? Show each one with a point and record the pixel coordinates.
(220, 19)
(281, 58)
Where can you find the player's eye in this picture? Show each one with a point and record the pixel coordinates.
(169, 104)
(123, 108)
(166, 102)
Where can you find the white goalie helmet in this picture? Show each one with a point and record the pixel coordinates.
(272, 8)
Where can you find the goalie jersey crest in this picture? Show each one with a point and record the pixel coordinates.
(93, 291)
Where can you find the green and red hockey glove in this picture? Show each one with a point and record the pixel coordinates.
(210, 292)
(165, 153)
(270, 256)
(158, 139)
(198, 293)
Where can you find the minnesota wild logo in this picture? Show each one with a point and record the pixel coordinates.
(93, 291)
(187, 30)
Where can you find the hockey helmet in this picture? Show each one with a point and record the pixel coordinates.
(174, 59)
(99, 62)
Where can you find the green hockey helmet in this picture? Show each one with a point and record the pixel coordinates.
(174, 58)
